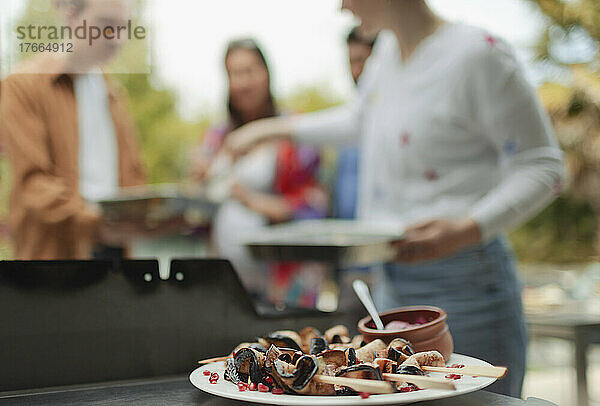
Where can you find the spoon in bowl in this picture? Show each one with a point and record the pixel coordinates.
(362, 291)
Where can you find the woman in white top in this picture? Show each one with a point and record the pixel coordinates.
(272, 183)
(455, 145)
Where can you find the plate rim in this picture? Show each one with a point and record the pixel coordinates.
(298, 400)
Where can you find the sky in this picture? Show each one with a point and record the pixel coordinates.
(304, 41)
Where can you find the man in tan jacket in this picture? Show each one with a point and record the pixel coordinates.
(69, 138)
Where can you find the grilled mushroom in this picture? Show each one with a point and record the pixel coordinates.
(306, 336)
(332, 361)
(298, 378)
(427, 358)
(284, 339)
(361, 371)
(402, 345)
(409, 370)
(357, 342)
(338, 335)
(396, 355)
(369, 352)
(386, 366)
(257, 346)
(231, 373)
(351, 356)
(248, 364)
(318, 345)
(284, 354)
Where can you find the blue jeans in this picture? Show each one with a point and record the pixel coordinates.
(480, 291)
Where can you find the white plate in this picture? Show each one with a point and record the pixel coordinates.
(228, 390)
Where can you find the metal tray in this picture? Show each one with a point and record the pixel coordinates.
(156, 203)
(343, 243)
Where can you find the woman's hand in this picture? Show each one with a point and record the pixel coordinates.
(199, 170)
(437, 239)
(275, 208)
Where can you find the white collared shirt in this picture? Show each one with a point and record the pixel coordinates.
(455, 131)
(98, 150)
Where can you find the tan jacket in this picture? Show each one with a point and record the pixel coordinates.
(39, 124)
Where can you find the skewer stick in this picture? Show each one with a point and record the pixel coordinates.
(490, 372)
(423, 382)
(359, 385)
(211, 360)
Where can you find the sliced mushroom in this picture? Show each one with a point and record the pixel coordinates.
(285, 354)
(357, 342)
(306, 336)
(351, 356)
(427, 358)
(338, 334)
(396, 355)
(368, 352)
(284, 339)
(386, 366)
(248, 364)
(336, 358)
(402, 345)
(361, 371)
(298, 378)
(231, 373)
(257, 346)
(409, 370)
(318, 345)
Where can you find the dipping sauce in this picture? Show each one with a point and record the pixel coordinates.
(403, 325)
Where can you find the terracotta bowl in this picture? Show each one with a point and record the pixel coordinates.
(433, 334)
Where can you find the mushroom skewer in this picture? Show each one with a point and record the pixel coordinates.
(216, 359)
(423, 382)
(475, 370)
(358, 385)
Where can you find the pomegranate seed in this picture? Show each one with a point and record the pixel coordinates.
(405, 389)
(453, 376)
(212, 381)
(457, 366)
(206, 373)
(263, 388)
(269, 380)
(364, 395)
(277, 391)
(252, 387)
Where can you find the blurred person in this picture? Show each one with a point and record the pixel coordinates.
(454, 144)
(275, 182)
(70, 141)
(346, 183)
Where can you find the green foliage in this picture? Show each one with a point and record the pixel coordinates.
(562, 233)
(311, 98)
(166, 139)
(571, 15)
(565, 231)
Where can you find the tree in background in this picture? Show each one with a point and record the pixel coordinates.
(564, 232)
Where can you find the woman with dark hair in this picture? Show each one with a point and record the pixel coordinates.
(275, 182)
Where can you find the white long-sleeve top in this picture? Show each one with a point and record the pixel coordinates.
(455, 131)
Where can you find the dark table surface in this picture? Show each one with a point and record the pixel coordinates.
(178, 391)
